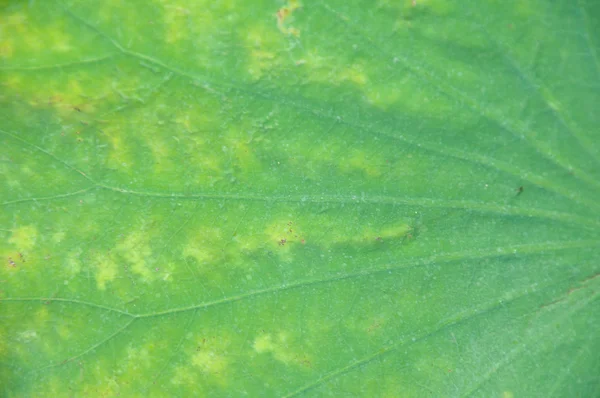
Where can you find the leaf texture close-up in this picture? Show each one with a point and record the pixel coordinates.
(234, 198)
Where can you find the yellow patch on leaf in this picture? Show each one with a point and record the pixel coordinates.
(23, 238)
(283, 16)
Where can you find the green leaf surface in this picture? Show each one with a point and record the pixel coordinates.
(268, 198)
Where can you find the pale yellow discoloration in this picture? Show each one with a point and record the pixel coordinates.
(205, 245)
(134, 365)
(283, 234)
(209, 359)
(106, 270)
(373, 236)
(28, 336)
(244, 155)
(138, 359)
(264, 50)
(24, 238)
(119, 156)
(54, 387)
(508, 394)
(12, 260)
(11, 80)
(60, 41)
(73, 263)
(196, 119)
(235, 156)
(525, 9)
(263, 343)
(261, 61)
(284, 15)
(64, 331)
(280, 347)
(73, 97)
(358, 160)
(58, 237)
(383, 95)
(209, 160)
(109, 387)
(327, 69)
(175, 19)
(206, 152)
(63, 98)
(318, 65)
(41, 316)
(13, 26)
(74, 89)
(6, 49)
(16, 22)
(191, 21)
(162, 154)
(210, 362)
(354, 74)
(214, 247)
(18, 32)
(396, 231)
(135, 249)
(106, 9)
(184, 375)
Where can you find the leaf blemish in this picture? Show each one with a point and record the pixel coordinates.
(284, 13)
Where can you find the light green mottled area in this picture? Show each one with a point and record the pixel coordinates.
(284, 198)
